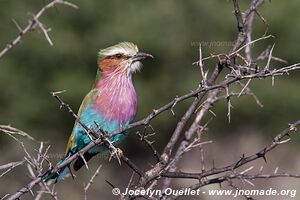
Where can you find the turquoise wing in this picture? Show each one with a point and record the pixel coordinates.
(72, 145)
(92, 119)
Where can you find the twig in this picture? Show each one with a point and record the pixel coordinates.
(149, 144)
(32, 23)
(250, 43)
(203, 73)
(14, 131)
(269, 59)
(91, 182)
(244, 160)
(10, 166)
(229, 105)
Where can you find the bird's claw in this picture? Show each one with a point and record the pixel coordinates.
(117, 153)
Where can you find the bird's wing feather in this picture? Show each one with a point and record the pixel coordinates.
(84, 105)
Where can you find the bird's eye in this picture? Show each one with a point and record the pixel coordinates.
(119, 55)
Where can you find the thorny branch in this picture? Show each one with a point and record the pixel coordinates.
(242, 69)
(91, 182)
(13, 131)
(33, 24)
(279, 139)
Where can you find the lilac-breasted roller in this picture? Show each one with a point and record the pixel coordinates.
(111, 104)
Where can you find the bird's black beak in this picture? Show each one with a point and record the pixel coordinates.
(141, 56)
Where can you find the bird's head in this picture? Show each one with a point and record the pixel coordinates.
(123, 57)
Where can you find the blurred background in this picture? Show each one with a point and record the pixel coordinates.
(172, 32)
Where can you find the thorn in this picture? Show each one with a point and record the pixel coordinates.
(152, 142)
(212, 112)
(276, 170)
(249, 182)
(239, 162)
(72, 175)
(17, 25)
(261, 169)
(173, 113)
(85, 163)
(154, 111)
(109, 183)
(267, 67)
(245, 87)
(262, 155)
(229, 105)
(246, 170)
(58, 92)
(292, 127)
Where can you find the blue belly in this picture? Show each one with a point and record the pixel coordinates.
(92, 119)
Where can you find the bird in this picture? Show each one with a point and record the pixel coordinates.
(111, 104)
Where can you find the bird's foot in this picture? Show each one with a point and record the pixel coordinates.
(117, 153)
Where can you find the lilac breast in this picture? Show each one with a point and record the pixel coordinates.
(116, 100)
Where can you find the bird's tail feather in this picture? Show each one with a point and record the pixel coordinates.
(62, 173)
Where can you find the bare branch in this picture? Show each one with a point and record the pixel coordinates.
(292, 128)
(14, 131)
(9, 166)
(32, 23)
